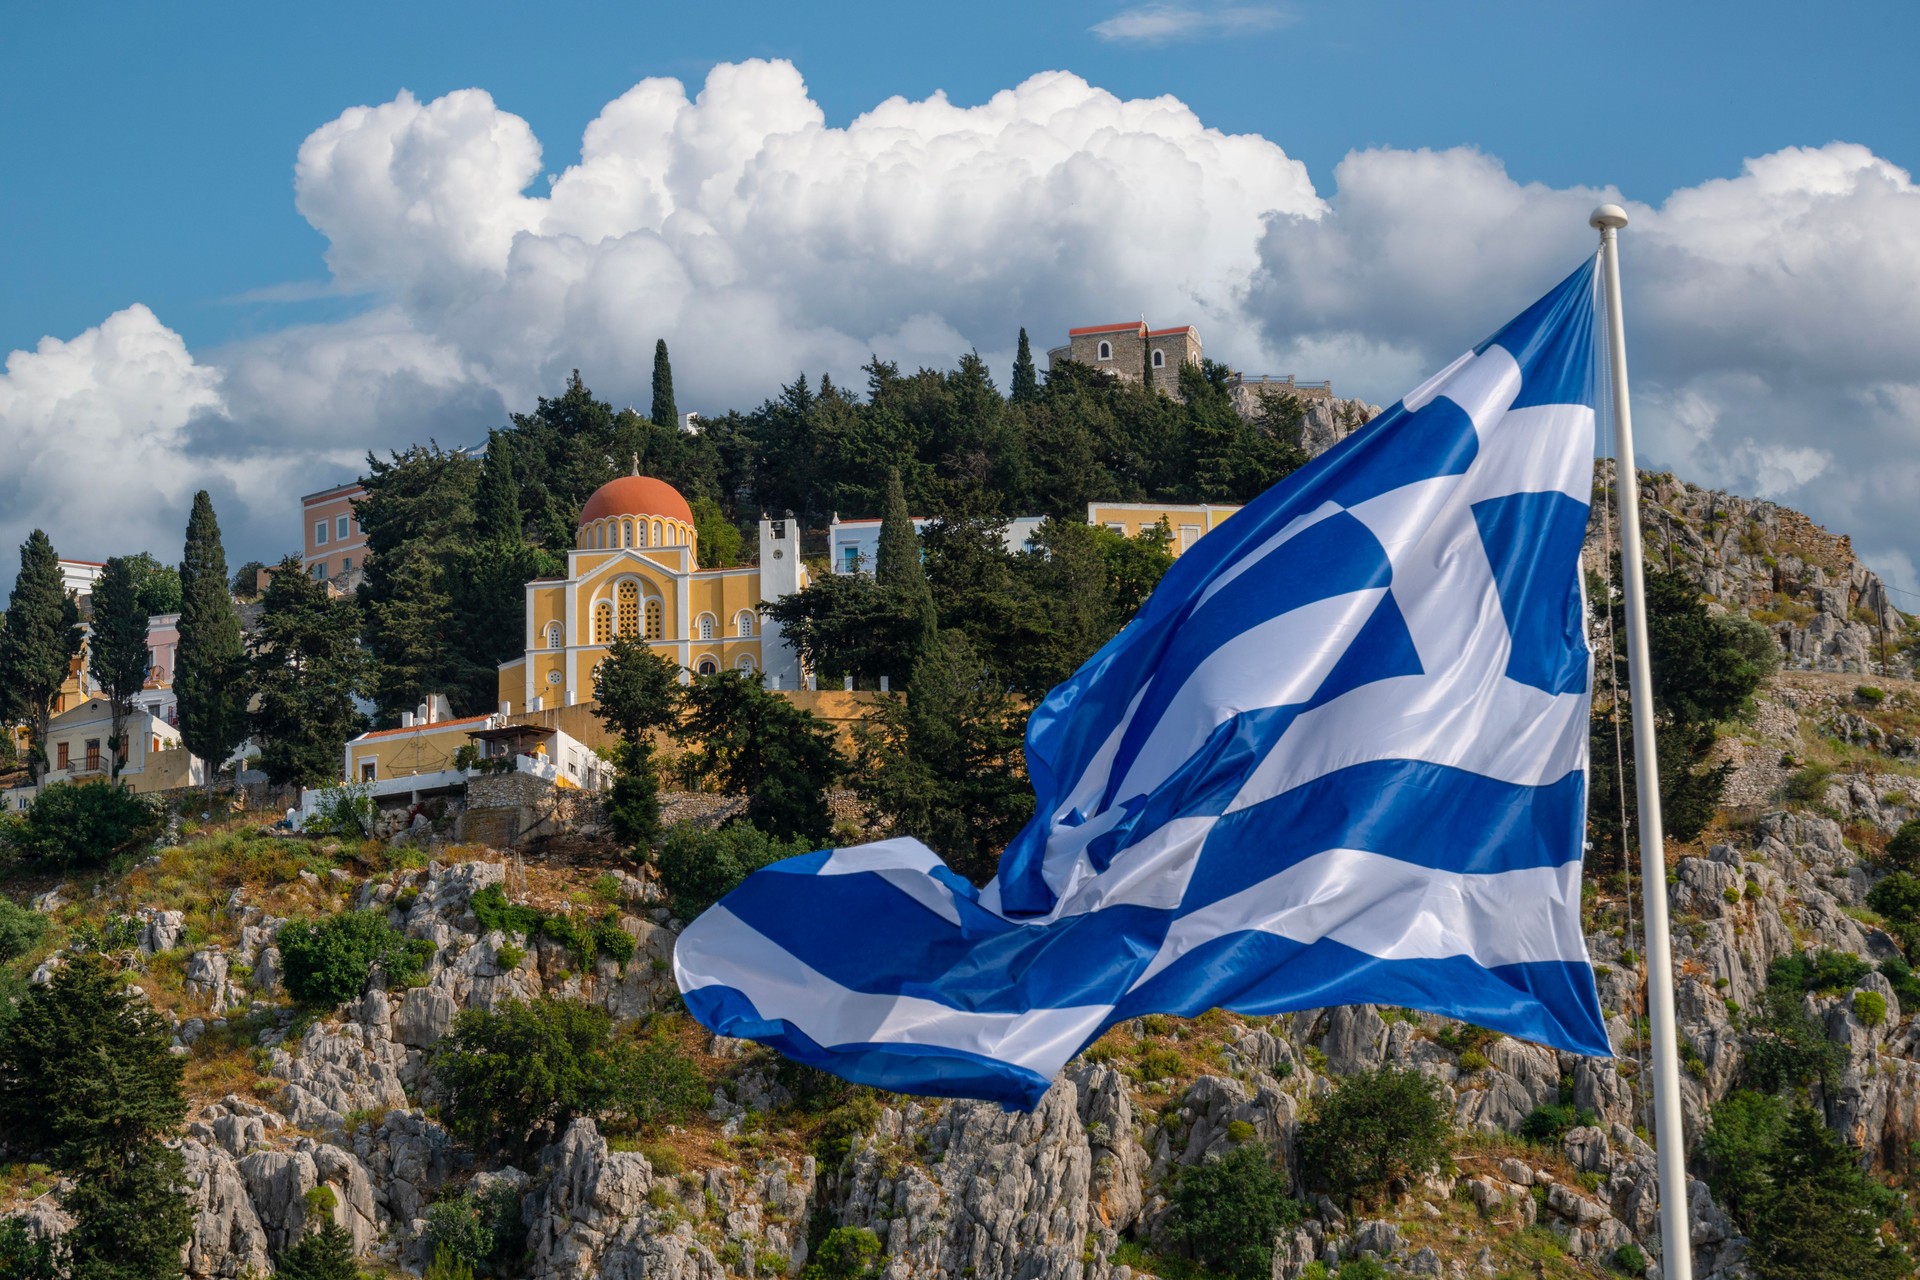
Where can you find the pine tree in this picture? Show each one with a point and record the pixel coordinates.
(496, 505)
(897, 565)
(1026, 381)
(665, 413)
(635, 693)
(1819, 1219)
(325, 1254)
(306, 664)
(210, 664)
(37, 648)
(131, 1220)
(117, 653)
(781, 757)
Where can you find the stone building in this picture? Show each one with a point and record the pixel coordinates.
(1131, 350)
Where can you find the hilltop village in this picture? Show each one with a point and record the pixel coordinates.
(338, 895)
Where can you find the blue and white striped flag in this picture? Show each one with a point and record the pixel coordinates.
(1338, 757)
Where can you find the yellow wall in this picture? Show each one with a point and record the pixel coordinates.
(1187, 522)
(402, 753)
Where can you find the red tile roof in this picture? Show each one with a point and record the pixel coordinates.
(1107, 328)
(1161, 333)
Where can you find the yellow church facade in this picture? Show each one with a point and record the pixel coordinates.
(634, 571)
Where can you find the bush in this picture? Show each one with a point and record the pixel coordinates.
(484, 1233)
(1788, 1047)
(1361, 1269)
(327, 962)
(654, 1083)
(84, 824)
(347, 811)
(1824, 971)
(1379, 1128)
(1546, 1125)
(587, 939)
(1903, 850)
(20, 929)
(1872, 695)
(1870, 1007)
(1897, 898)
(848, 1253)
(699, 867)
(1900, 976)
(1629, 1260)
(1809, 786)
(446, 1265)
(834, 1141)
(516, 1075)
(1226, 1212)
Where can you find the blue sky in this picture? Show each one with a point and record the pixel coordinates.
(150, 147)
(242, 244)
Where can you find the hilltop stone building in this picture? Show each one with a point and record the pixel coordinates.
(634, 571)
(1131, 351)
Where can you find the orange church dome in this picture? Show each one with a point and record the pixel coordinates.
(636, 496)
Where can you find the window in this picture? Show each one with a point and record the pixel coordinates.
(1116, 527)
(554, 635)
(658, 541)
(603, 623)
(653, 619)
(1106, 351)
(346, 564)
(852, 560)
(706, 626)
(746, 663)
(743, 624)
(319, 570)
(319, 533)
(340, 527)
(1159, 359)
(61, 758)
(1189, 534)
(640, 534)
(93, 754)
(708, 666)
(368, 769)
(626, 533)
(628, 595)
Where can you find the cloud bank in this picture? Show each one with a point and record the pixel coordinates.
(1770, 313)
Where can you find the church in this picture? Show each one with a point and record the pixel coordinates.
(634, 570)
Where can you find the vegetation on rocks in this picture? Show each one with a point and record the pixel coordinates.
(1378, 1131)
(328, 960)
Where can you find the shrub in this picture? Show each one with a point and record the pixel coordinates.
(20, 929)
(1380, 1127)
(1903, 850)
(517, 1075)
(1809, 785)
(1897, 898)
(84, 824)
(1547, 1124)
(1788, 1047)
(1226, 1212)
(347, 810)
(484, 1233)
(447, 1266)
(327, 961)
(1872, 695)
(1629, 1260)
(700, 867)
(1474, 1060)
(848, 1253)
(834, 1141)
(587, 939)
(1870, 1007)
(1361, 1269)
(654, 1083)
(1824, 971)
(1900, 976)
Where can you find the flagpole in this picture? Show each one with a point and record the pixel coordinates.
(1676, 1261)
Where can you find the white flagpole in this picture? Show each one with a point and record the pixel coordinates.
(1676, 1260)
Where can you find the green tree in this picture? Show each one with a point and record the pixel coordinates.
(24, 1256)
(327, 961)
(131, 1218)
(84, 824)
(665, 413)
(1742, 1135)
(718, 538)
(1897, 897)
(210, 664)
(246, 580)
(846, 624)
(158, 584)
(20, 929)
(947, 762)
(117, 653)
(847, 1253)
(698, 867)
(1380, 1130)
(761, 745)
(898, 569)
(1903, 850)
(1025, 387)
(306, 665)
(1818, 1216)
(636, 693)
(515, 1076)
(1227, 1211)
(322, 1254)
(37, 645)
(85, 1068)
(496, 502)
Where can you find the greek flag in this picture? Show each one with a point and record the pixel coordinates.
(1338, 757)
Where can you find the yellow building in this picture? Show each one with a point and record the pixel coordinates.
(1187, 522)
(634, 571)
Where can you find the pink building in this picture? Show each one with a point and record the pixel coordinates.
(334, 546)
(163, 643)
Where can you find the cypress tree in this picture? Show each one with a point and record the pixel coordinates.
(37, 648)
(322, 1254)
(209, 670)
(117, 654)
(665, 412)
(496, 504)
(897, 565)
(1026, 380)
(307, 663)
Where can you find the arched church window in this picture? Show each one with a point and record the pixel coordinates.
(743, 623)
(554, 635)
(629, 597)
(708, 666)
(626, 533)
(1106, 351)
(746, 663)
(658, 541)
(603, 623)
(654, 613)
(706, 626)
(1159, 359)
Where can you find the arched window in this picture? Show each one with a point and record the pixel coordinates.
(746, 663)
(653, 619)
(640, 533)
(708, 667)
(603, 623)
(707, 626)
(1106, 351)
(626, 533)
(628, 595)
(743, 622)
(658, 541)
(554, 634)
(1159, 359)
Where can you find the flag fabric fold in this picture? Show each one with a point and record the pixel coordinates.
(1338, 757)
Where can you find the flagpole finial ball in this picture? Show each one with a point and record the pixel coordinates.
(1608, 215)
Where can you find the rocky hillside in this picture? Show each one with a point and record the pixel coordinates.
(300, 1113)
